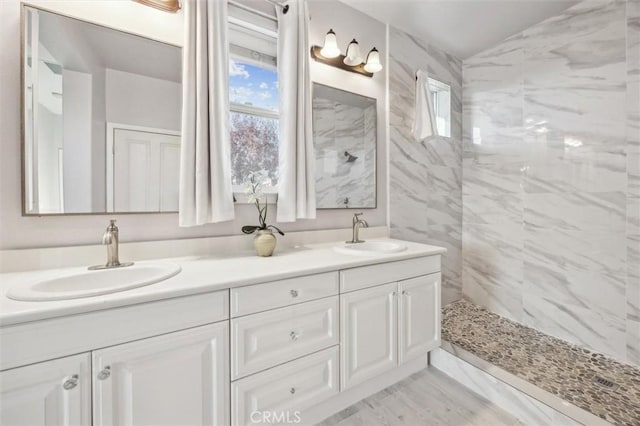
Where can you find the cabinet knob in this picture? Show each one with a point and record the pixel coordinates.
(292, 390)
(293, 335)
(406, 293)
(71, 382)
(294, 293)
(105, 373)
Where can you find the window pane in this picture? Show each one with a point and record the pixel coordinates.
(441, 96)
(253, 85)
(254, 146)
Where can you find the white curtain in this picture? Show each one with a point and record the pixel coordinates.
(296, 183)
(424, 124)
(206, 194)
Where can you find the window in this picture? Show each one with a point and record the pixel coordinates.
(441, 98)
(253, 96)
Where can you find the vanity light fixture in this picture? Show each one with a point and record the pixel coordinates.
(330, 48)
(373, 61)
(330, 54)
(353, 56)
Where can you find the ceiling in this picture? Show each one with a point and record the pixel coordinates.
(461, 27)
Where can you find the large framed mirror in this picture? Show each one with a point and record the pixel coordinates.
(101, 118)
(344, 138)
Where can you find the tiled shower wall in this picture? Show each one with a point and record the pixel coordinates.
(425, 198)
(551, 185)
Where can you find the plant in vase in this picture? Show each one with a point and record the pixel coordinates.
(264, 241)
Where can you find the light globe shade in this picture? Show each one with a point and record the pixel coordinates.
(330, 48)
(353, 57)
(373, 61)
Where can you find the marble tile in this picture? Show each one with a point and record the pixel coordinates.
(425, 177)
(500, 300)
(493, 255)
(574, 287)
(492, 209)
(561, 169)
(633, 277)
(445, 209)
(486, 179)
(408, 49)
(633, 215)
(633, 341)
(575, 324)
(600, 211)
(443, 179)
(448, 236)
(551, 146)
(568, 250)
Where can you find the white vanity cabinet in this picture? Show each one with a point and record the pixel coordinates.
(386, 325)
(51, 393)
(292, 350)
(179, 378)
(419, 316)
(369, 333)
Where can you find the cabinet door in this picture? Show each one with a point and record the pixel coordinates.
(368, 333)
(178, 378)
(419, 316)
(55, 392)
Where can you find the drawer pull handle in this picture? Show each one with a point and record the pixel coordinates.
(294, 293)
(293, 390)
(71, 383)
(294, 336)
(105, 373)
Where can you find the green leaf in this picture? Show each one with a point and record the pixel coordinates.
(250, 229)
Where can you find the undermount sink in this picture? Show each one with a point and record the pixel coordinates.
(95, 283)
(371, 247)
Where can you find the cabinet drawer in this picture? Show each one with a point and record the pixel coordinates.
(283, 392)
(276, 294)
(382, 273)
(270, 338)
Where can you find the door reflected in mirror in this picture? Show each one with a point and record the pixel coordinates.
(101, 118)
(344, 138)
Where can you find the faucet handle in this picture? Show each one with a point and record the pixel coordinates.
(356, 216)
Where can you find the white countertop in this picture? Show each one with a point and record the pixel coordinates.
(199, 275)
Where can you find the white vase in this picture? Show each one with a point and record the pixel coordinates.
(264, 242)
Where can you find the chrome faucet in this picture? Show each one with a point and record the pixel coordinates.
(110, 239)
(357, 224)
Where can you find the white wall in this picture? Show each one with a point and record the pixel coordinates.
(143, 101)
(76, 118)
(17, 231)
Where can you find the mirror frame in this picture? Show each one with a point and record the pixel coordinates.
(23, 123)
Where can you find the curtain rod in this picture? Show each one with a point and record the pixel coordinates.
(285, 7)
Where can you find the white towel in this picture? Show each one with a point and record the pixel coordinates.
(424, 124)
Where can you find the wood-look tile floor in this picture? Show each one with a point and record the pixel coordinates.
(427, 398)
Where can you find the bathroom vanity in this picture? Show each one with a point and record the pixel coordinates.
(230, 340)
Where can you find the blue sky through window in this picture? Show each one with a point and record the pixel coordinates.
(253, 85)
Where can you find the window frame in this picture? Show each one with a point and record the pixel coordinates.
(255, 22)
